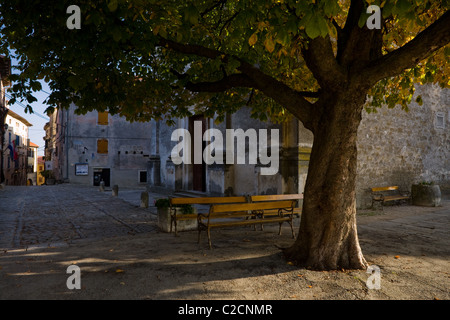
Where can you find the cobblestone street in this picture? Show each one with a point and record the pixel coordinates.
(54, 215)
(122, 254)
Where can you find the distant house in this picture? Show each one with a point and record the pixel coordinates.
(15, 153)
(87, 149)
(14, 138)
(32, 164)
(5, 71)
(40, 180)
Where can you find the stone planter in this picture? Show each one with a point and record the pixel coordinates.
(182, 225)
(426, 195)
(50, 181)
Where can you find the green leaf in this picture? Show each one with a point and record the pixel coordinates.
(387, 9)
(331, 8)
(191, 14)
(112, 5)
(316, 26)
(402, 7)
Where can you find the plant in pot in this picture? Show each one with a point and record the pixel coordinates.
(164, 219)
(426, 194)
(49, 177)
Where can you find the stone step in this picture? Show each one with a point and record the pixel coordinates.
(190, 194)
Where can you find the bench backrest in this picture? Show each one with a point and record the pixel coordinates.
(237, 207)
(275, 197)
(207, 200)
(391, 188)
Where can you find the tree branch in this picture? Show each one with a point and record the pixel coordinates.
(226, 83)
(250, 77)
(320, 59)
(422, 46)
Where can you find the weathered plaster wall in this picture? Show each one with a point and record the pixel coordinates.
(396, 147)
(128, 148)
(226, 179)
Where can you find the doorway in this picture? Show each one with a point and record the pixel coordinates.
(198, 170)
(102, 174)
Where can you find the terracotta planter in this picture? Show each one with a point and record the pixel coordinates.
(426, 195)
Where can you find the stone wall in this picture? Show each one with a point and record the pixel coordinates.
(127, 154)
(396, 147)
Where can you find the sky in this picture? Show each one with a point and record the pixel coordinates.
(38, 119)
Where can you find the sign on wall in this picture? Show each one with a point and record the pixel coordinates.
(81, 169)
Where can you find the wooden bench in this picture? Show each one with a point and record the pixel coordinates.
(174, 217)
(278, 197)
(386, 194)
(223, 215)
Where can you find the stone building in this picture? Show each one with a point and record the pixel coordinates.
(40, 180)
(395, 147)
(15, 152)
(32, 168)
(86, 149)
(401, 148)
(256, 172)
(5, 71)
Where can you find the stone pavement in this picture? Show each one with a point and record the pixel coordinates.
(66, 213)
(123, 255)
(58, 214)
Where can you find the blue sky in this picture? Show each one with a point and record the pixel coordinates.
(36, 132)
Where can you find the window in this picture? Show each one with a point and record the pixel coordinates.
(103, 118)
(102, 146)
(142, 176)
(440, 120)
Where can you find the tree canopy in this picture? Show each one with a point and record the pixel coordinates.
(149, 58)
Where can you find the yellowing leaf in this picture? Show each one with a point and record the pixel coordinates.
(269, 44)
(253, 39)
(119, 270)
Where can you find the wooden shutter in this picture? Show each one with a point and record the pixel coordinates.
(103, 118)
(102, 146)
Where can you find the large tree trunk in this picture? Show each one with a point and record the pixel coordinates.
(328, 237)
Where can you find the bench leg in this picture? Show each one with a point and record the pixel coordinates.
(292, 229)
(209, 238)
(176, 229)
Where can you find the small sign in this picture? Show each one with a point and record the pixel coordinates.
(81, 169)
(48, 165)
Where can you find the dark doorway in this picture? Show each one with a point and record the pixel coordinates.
(199, 170)
(102, 174)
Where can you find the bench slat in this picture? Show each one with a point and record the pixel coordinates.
(247, 222)
(251, 206)
(272, 197)
(391, 188)
(388, 198)
(207, 200)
